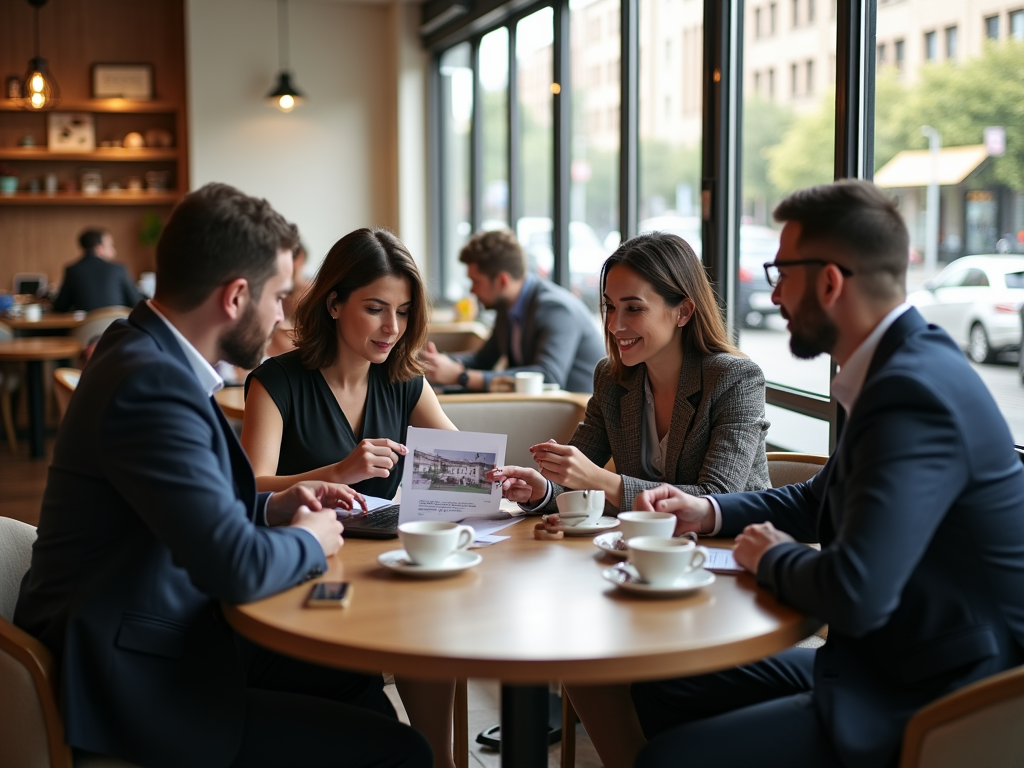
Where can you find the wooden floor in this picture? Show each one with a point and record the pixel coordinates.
(22, 481)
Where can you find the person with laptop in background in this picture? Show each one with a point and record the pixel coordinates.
(95, 280)
(338, 407)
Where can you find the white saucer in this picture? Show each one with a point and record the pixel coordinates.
(625, 576)
(587, 528)
(398, 561)
(606, 543)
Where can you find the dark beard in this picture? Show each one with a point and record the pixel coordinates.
(811, 332)
(245, 343)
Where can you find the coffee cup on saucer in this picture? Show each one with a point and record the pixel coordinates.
(662, 524)
(662, 561)
(577, 507)
(430, 542)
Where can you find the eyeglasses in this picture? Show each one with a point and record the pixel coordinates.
(771, 268)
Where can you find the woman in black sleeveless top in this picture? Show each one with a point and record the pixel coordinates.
(337, 408)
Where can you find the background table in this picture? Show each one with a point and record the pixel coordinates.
(33, 352)
(50, 321)
(531, 612)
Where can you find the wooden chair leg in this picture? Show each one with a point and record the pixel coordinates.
(5, 408)
(460, 725)
(568, 731)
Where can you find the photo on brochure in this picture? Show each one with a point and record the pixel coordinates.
(446, 478)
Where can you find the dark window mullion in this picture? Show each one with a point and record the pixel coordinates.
(629, 113)
(562, 146)
(438, 176)
(515, 203)
(476, 141)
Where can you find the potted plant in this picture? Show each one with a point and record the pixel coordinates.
(8, 179)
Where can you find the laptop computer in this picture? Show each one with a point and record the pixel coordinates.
(379, 523)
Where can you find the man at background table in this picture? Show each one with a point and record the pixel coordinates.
(920, 576)
(95, 281)
(151, 517)
(539, 326)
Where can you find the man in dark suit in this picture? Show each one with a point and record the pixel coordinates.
(539, 326)
(151, 517)
(920, 575)
(94, 280)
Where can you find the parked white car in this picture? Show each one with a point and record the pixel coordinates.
(977, 300)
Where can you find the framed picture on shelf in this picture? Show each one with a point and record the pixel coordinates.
(70, 132)
(122, 81)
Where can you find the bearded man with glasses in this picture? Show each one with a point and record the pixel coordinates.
(920, 575)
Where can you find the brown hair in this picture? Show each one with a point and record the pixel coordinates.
(355, 261)
(859, 218)
(669, 264)
(215, 235)
(493, 252)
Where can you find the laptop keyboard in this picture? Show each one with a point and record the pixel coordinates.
(385, 518)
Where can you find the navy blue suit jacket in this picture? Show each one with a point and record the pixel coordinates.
(920, 519)
(93, 282)
(149, 519)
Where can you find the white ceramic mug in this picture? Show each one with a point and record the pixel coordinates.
(33, 313)
(580, 505)
(430, 542)
(661, 561)
(530, 382)
(633, 524)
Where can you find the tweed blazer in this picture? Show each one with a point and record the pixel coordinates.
(715, 441)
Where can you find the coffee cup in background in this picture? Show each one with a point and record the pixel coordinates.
(429, 543)
(577, 506)
(661, 524)
(660, 561)
(33, 313)
(530, 382)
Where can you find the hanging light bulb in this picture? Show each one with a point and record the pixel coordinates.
(39, 89)
(285, 96)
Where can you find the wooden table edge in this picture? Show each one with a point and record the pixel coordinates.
(654, 666)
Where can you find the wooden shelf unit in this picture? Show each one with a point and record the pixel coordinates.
(104, 198)
(98, 155)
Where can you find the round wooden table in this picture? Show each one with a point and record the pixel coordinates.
(531, 612)
(34, 352)
(49, 321)
(232, 401)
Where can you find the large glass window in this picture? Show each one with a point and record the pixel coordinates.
(594, 143)
(493, 68)
(788, 143)
(670, 141)
(535, 66)
(456, 108)
(958, 178)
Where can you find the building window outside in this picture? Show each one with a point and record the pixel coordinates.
(810, 11)
(810, 77)
(796, 13)
(951, 42)
(1017, 25)
(757, 83)
(757, 23)
(992, 27)
(771, 83)
(773, 10)
(931, 46)
(793, 88)
(899, 49)
(880, 54)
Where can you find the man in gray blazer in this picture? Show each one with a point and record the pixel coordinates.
(151, 518)
(539, 325)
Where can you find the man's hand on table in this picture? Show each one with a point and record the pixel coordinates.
(693, 513)
(755, 540)
(438, 367)
(310, 505)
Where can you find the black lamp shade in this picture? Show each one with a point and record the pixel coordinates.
(285, 96)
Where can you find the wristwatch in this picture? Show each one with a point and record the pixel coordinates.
(463, 379)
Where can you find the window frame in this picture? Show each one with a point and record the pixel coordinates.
(721, 193)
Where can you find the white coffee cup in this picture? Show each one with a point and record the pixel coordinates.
(430, 542)
(579, 505)
(530, 382)
(633, 524)
(33, 313)
(661, 561)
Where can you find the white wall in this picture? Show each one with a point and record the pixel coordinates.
(333, 164)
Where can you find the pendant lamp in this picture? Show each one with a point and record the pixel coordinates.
(39, 89)
(284, 95)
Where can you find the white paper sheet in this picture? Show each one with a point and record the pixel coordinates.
(721, 560)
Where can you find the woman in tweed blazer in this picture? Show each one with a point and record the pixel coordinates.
(667, 348)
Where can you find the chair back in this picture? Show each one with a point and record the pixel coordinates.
(788, 468)
(457, 337)
(977, 726)
(30, 725)
(526, 420)
(64, 382)
(96, 322)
